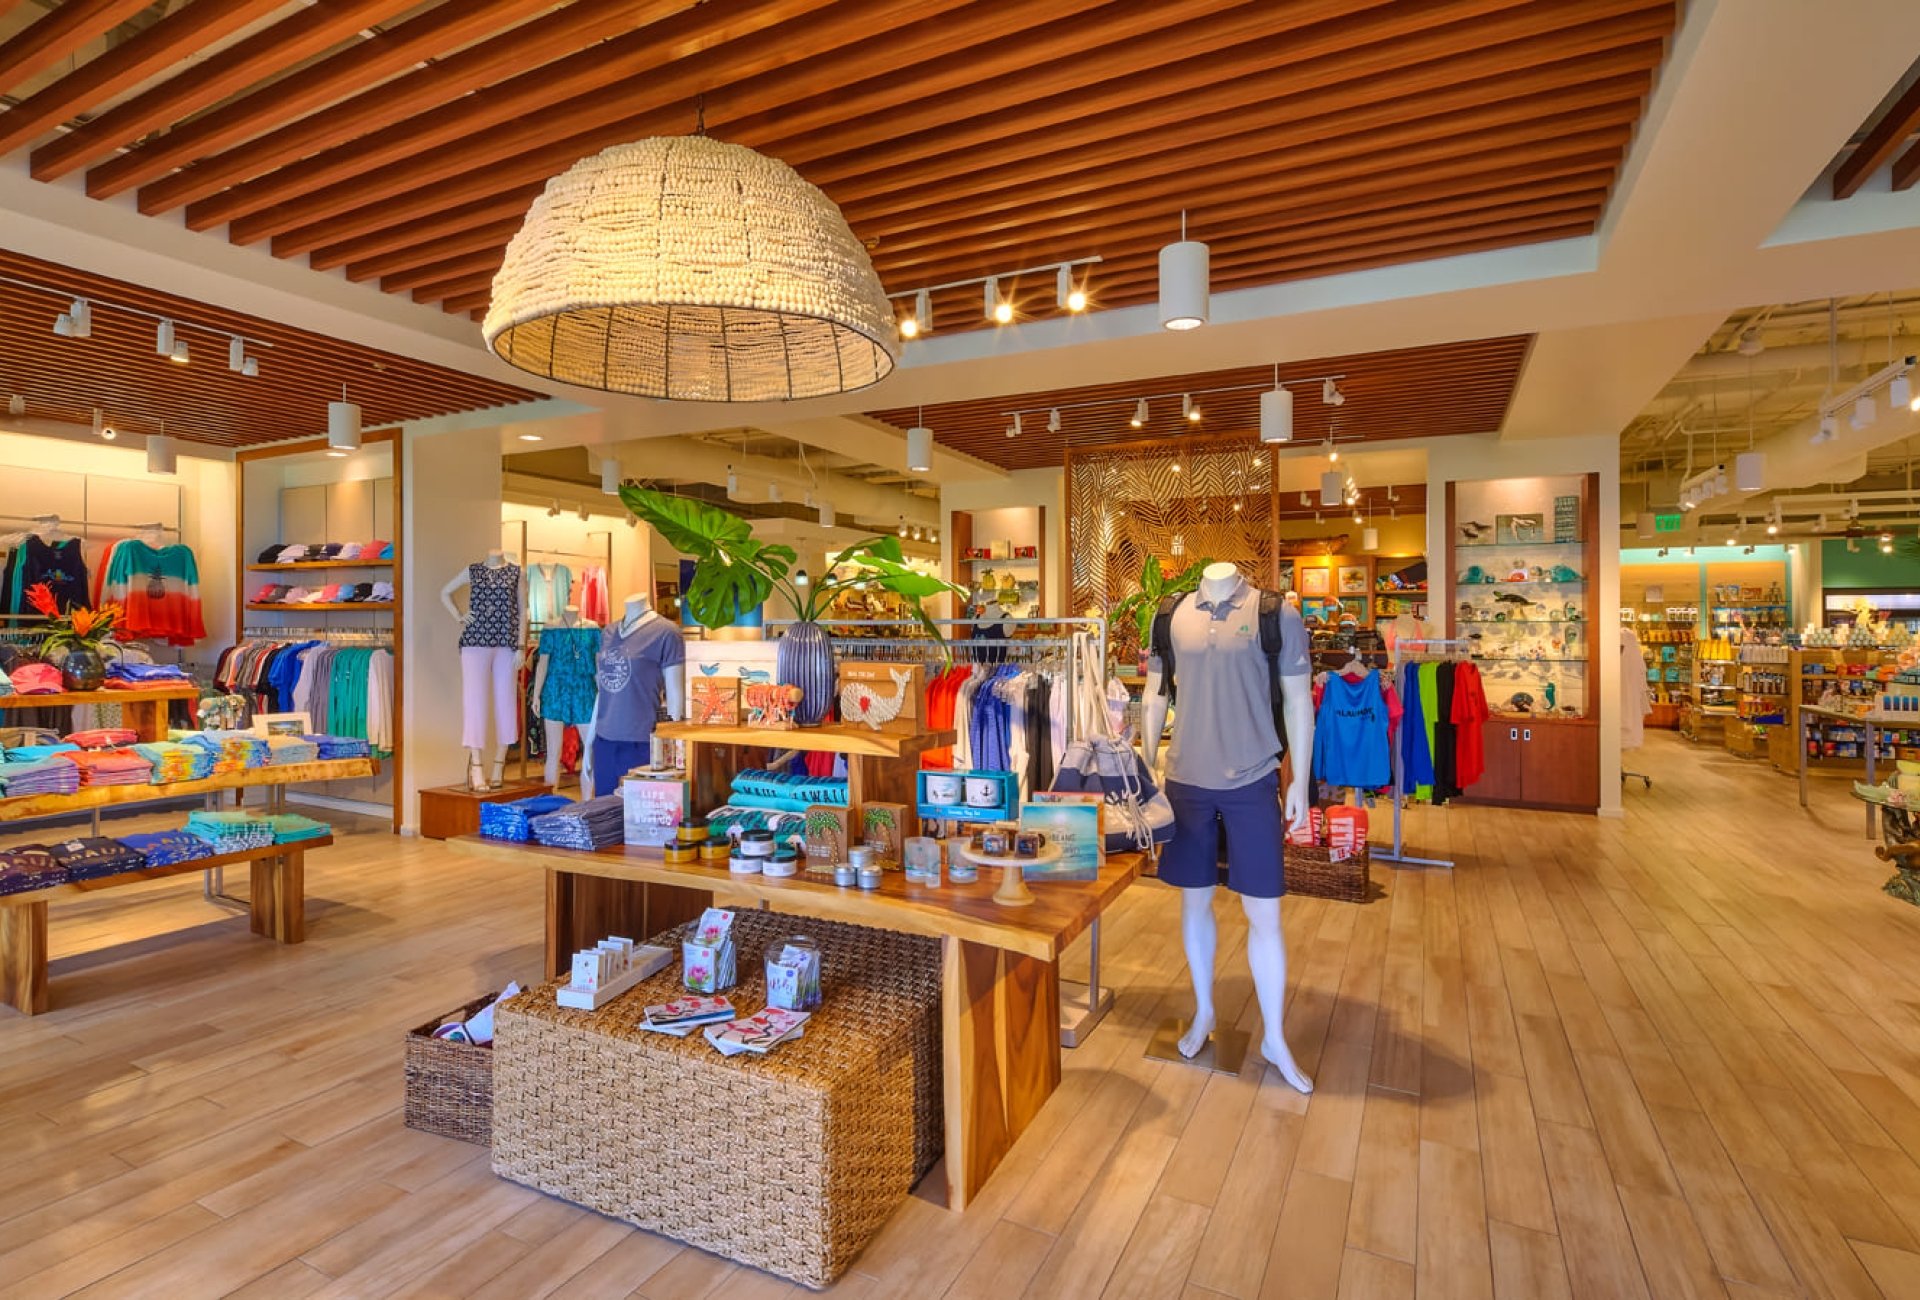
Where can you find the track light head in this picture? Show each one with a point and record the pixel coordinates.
(181, 354)
(999, 308)
(76, 322)
(1276, 415)
(1751, 344)
(1188, 409)
(16, 405)
(163, 338)
(553, 510)
(1139, 420)
(161, 458)
(610, 477)
(1053, 420)
(1330, 394)
(1900, 393)
(1014, 430)
(903, 527)
(1863, 413)
(1071, 295)
(343, 424)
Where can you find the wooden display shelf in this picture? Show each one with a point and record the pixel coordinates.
(837, 739)
(105, 796)
(81, 888)
(305, 565)
(61, 699)
(297, 606)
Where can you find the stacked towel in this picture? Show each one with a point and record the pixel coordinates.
(291, 828)
(111, 767)
(594, 824)
(173, 761)
(93, 856)
(336, 747)
(29, 866)
(44, 776)
(166, 848)
(509, 821)
(285, 751)
(231, 832)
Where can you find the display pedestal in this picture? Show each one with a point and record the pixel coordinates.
(450, 810)
(1225, 1052)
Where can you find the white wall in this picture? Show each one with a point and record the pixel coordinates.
(1027, 487)
(453, 518)
(206, 510)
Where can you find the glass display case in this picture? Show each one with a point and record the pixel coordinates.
(1521, 569)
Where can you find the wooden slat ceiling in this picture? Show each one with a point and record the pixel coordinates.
(119, 371)
(961, 137)
(1437, 391)
(1888, 132)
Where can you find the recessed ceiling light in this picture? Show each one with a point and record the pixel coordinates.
(530, 437)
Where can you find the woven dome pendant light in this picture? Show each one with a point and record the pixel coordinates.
(687, 268)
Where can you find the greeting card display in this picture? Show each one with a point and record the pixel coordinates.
(715, 701)
(770, 706)
(707, 958)
(654, 806)
(748, 663)
(882, 696)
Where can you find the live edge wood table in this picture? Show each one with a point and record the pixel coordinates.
(143, 711)
(1000, 1000)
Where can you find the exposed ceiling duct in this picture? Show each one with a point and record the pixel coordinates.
(689, 460)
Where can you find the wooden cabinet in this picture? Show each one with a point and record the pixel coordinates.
(1548, 763)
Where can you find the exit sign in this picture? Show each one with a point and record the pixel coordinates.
(1667, 523)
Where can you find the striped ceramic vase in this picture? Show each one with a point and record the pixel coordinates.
(804, 658)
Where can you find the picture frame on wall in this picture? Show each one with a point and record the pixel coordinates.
(1519, 530)
(1353, 580)
(1286, 577)
(1316, 582)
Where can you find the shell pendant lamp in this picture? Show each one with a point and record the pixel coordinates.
(687, 268)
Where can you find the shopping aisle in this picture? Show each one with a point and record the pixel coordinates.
(1602, 1057)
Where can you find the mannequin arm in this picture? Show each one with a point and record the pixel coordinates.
(1296, 693)
(540, 674)
(1153, 717)
(458, 581)
(676, 687)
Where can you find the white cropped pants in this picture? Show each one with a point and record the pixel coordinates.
(487, 677)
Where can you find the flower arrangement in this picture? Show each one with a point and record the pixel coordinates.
(79, 626)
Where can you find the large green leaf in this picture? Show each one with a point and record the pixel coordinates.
(690, 527)
(721, 592)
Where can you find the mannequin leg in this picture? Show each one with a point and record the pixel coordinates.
(476, 769)
(1267, 959)
(586, 760)
(1201, 937)
(475, 673)
(556, 736)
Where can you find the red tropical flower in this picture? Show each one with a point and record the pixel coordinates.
(40, 596)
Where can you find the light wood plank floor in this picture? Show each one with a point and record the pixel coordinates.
(1675, 1054)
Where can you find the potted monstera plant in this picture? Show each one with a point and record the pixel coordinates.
(1140, 607)
(733, 572)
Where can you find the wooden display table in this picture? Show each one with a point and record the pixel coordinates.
(103, 796)
(450, 810)
(1000, 1004)
(875, 772)
(277, 911)
(144, 712)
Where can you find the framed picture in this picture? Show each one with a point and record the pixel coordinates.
(1519, 529)
(1316, 581)
(1353, 580)
(1286, 576)
(281, 724)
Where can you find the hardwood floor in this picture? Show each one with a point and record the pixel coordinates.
(1674, 1054)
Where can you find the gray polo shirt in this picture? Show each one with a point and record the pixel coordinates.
(1223, 731)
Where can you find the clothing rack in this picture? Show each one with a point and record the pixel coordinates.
(1446, 645)
(379, 637)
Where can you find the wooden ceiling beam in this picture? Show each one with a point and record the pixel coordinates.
(59, 33)
(493, 235)
(1882, 140)
(482, 261)
(577, 127)
(510, 205)
(470, 302)
(1411, 55)
(1906, 168)
(429, 35)
(285, 44)
(456, 286)
(127, 64)
(618, 37)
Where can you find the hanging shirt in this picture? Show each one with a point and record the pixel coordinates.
(631, 674)
(60, 565)
(1469, 712)
(1350, 734)
(549, 587)
(158, 588)
(1416, 759)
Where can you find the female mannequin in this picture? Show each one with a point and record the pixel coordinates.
(641, 654)
(1223, 768)
(489, 646)
(560, 709)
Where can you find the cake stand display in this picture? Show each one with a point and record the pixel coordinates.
(1013, 891)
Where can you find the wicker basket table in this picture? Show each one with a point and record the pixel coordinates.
(789, 1162)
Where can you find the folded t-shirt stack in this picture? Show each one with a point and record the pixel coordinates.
(92, 856)
(125, 676)
(292, 828)
(168, 848)
(284, 751)
(173, 761)
(103, 737)
(509, 821)
(100, 767)
(234, 750)
(29, 866)
(36, 679)
(332, 748)
(231, 832)
(593, 824)
(22, 777)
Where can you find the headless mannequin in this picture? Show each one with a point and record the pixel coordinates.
(636, 610)
(557, 731)
(477, 774)
(1266, 944)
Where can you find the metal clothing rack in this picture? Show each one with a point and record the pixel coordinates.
(381, 637)
(1399, 853)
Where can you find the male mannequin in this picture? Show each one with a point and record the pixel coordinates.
(1223, 764)
(641, 654)
(489, 644)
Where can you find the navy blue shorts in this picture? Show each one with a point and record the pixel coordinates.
(613, 759)
(1251, 816)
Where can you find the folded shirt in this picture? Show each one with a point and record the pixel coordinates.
(29, 866)
(93, 856)
(231, 832)
(166, 848)
(285, 751)
(174, 761)
(332, 748)
(43, 776)
(36, 679)
(111, 767)
(593, 824)
(291, 828)
(38, 753)
(103, 737)
(510, 821)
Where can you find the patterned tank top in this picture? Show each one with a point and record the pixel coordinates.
(493, 606)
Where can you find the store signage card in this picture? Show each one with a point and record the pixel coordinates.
(1073, 828)
(770, 707)
(654, 807)
(882, 696)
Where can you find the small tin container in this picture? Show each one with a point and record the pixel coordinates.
(716, 853)
(861, 856)
(757, 844)
(869, 877)
(1027, 844)
(691, 832)
(681, 855)
(996, 842)
(784, 862)
(744, 866)
(844, 874)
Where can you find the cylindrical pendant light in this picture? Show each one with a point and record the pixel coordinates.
(1276, 415)
(919, 449)
(1333, 488)
(610, 477)
(826, 514)
(1184, 273)
(343, 424)
(1369, 538)
(160, 454)
(1750, 471)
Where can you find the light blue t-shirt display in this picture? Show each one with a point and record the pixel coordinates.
(1223, 732)
(630, 673)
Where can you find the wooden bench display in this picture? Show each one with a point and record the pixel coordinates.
(277, 911)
